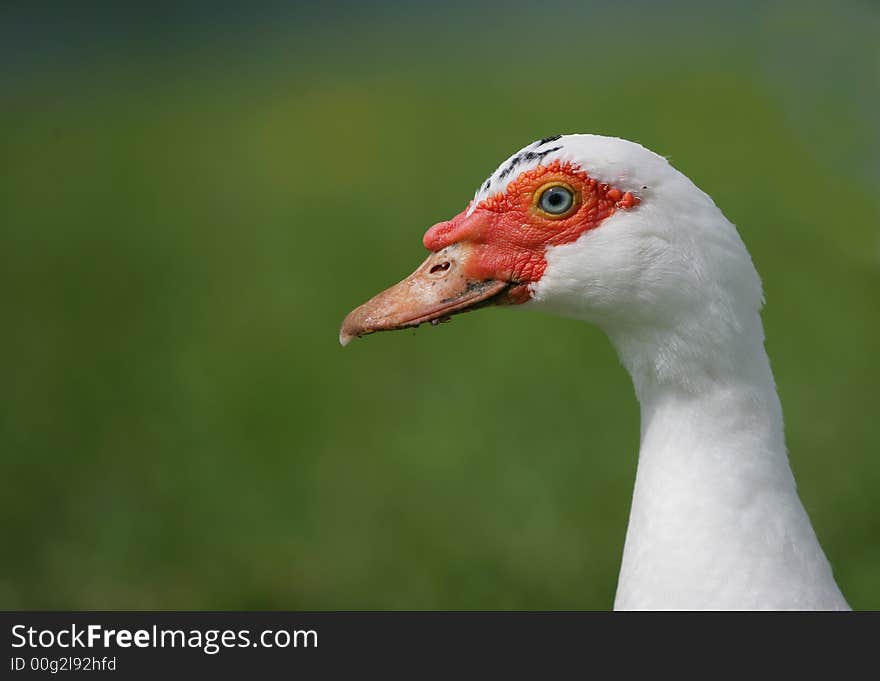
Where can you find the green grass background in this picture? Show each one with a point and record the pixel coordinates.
(188, 210)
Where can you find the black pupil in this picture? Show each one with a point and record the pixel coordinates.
(555, 198)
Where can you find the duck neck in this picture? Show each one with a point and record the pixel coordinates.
(716, 522)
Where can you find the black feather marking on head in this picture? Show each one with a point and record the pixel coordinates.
(545, 140)
(520, 159)
(514, 162)
(538, 155)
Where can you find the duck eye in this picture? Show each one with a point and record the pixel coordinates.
(556, 200)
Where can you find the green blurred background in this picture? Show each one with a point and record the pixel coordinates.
(192, 196)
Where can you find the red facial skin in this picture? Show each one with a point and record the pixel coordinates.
(510, 233)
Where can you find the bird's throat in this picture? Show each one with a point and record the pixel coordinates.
(716, 522)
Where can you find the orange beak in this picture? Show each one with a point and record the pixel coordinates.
(438, 289)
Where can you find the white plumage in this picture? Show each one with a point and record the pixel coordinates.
(716, 521)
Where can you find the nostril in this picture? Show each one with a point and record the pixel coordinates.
(442, 267)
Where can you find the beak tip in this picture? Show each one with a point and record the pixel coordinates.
(353, 326)
(345, 337)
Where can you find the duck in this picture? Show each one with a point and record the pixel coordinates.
(605, 231)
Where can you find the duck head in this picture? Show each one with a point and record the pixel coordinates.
(585, 226)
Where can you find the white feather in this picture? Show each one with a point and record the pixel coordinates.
(716, 522)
